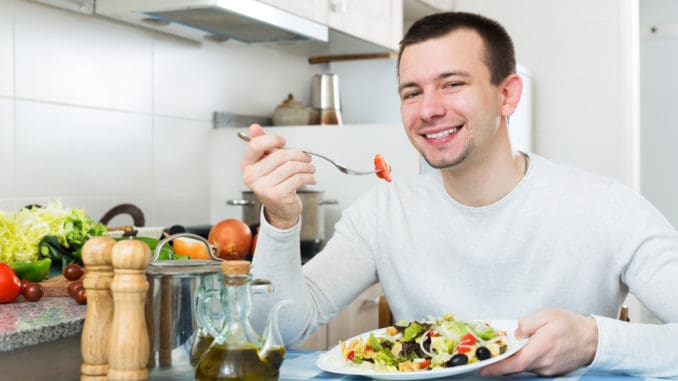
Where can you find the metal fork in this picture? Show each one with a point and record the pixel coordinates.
(340, 167)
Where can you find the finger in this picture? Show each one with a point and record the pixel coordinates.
(259, 147)
(283, 177)
(528, 325)
(519, 362)
(256, 130)
(279, 158)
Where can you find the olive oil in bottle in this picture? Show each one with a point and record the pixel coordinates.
(221, 363)
(201, 342)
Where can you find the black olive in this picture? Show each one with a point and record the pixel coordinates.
(458, 359)
(427, 344)
(482, 353)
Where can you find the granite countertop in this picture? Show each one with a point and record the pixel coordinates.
(24, 323)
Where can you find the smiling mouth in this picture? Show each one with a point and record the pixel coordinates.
(442, 134)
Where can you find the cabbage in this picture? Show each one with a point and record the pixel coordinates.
(21, 232)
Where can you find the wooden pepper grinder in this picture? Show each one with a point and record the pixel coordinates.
(96, 256)
(128, 349)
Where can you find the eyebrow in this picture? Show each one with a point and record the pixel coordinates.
(447, 74)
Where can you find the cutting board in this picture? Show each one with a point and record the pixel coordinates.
(56, 286)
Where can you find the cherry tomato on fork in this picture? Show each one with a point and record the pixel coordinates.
(383, 167)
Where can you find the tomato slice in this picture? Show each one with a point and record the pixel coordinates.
(467, 339)
(466, 343)
(383, 167)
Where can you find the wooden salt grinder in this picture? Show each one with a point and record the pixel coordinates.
(96, 255)
(128, 349)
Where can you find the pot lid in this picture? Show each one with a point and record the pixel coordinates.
(184, 267)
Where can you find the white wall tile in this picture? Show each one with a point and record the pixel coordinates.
(6, 146)
(81, 60)
(6, 48)
(181, 156)
(192, 81)
(64, 150)
(168, 211)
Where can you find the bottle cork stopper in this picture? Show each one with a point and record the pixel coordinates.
(235, 267)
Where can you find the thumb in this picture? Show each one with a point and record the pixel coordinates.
(528, 325)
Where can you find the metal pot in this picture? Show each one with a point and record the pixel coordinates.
(170, 306)
(312, 215)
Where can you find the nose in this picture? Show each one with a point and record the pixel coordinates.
(432, 106)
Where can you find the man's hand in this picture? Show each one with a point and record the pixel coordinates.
(559, 342)
(274, 174)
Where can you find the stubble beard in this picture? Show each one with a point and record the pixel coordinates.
(442, 164)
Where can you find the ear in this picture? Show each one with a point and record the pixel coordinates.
(510, 89)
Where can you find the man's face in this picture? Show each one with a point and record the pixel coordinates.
(450, 109)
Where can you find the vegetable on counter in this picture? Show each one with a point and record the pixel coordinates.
(33, 271)
(232, 237)
(21, 234)
(10, 285)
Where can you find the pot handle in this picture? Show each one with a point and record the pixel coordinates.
(210, 248)
(240, 202)
(329, 201)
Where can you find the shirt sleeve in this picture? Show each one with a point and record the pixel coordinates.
(651, 274)
(647, 350)
(322, 287)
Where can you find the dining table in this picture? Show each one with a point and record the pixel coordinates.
(301, 365)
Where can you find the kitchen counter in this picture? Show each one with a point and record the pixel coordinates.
(26, 323)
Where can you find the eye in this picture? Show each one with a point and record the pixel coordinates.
(453, 84)
(410, 94)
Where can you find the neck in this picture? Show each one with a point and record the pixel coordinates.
(486, 177)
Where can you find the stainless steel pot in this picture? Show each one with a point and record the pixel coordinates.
(170, 307)
(312, 215)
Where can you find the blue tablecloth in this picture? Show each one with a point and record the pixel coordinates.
(300, 365)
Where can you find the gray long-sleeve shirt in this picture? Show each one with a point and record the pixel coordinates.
(563, 238)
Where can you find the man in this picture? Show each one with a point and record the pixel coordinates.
(493, 234)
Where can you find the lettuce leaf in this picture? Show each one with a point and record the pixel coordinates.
(21, 232)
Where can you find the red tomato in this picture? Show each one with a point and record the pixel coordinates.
(10, 285)
(467, 339)
(381, 164)
(424, 364)
(466, 343)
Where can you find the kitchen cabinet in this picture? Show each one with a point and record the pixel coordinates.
(360, 316)
(413, 10)
(314, 10)
(378, 21)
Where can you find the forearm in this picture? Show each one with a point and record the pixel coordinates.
(325, 285)
(278, 260)
(648, 350)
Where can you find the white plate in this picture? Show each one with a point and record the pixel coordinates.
(332, 360)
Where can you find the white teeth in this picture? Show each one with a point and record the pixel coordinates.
(442, 134)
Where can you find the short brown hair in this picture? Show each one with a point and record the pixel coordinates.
(499, 53)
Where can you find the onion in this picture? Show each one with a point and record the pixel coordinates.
(232, 238)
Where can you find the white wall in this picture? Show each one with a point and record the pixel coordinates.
(659, 81)
(96, 112)
(583, 59)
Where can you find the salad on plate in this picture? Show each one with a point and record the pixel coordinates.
(435, 343)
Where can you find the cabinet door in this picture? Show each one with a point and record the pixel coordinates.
(360, 316)
(378, 21)
(315, 10)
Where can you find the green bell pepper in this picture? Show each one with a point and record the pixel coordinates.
(34, 271)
